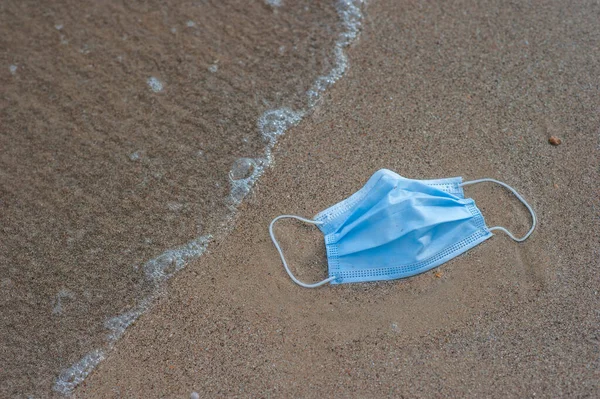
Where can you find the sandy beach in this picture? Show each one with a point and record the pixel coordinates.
(120, 124)
(434, 90)
(462, 88)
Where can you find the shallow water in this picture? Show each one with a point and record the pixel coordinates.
(131, 133)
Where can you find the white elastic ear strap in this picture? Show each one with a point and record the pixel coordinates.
(287, 269)
(533, 218)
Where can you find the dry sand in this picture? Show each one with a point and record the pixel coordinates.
(435, 90)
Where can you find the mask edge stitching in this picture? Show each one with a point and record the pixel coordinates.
(481, 233)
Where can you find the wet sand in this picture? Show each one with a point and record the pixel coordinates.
(434, 90)
(119, 125)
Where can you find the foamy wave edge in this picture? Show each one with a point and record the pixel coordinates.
(272, 124)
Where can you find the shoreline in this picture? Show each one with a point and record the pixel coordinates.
(245, 173)
(434, 91)
(151, 124)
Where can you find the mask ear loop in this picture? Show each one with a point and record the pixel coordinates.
(533, 217)
(287, 269)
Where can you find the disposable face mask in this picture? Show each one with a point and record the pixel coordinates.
(396, 227)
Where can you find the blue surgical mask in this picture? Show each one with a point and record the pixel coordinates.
(395, 227)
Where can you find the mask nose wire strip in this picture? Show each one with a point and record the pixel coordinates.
(287, 269)
(533, 217)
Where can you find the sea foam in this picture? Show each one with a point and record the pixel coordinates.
(244, 173)
(74, 375)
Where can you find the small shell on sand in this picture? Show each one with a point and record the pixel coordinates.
(554, 140)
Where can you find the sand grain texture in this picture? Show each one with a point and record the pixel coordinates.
(119, 124)
(435, 90)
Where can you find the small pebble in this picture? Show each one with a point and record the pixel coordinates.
(554, 140)
(194, 395)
